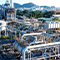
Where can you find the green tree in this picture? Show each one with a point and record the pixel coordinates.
(57, 12)
(56, 19)
(36, 14)
(30, 15)
(25, 12)
(17, 12)
(48, 14)
(21, 13)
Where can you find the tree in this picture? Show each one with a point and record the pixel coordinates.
(30, 15)
(56, 19)
(25, 12)
(21, 13)
(48, 14)
(18, 12)
(58, 13)
(36, 14)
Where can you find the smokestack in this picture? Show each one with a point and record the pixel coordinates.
(11, 3)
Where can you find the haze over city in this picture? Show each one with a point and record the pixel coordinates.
(37, 2)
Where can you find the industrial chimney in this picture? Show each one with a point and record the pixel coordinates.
(11, 3)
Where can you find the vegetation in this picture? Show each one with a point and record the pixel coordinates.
(56, 19)
(52, 59)
(7, 37)
(57, 12)
(49, 41)
(26, 5)
(36, 14)
(6, 51)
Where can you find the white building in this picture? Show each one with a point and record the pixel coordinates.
(53, 16)
(2, 25)
(51, 25)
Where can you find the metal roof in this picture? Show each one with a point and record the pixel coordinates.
(47, 19)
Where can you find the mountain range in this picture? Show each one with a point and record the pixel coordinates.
(29, 5)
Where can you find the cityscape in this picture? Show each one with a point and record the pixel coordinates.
(29, 31)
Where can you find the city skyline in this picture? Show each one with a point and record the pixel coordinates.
(40, 3)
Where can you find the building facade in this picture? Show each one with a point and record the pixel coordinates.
(52, 25)
(8, 12)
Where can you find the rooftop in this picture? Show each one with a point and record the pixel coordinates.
(47, 19)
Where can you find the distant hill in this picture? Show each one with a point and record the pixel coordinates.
(52, 6)
(26, 5)
(16, 5)
(48, 7)
(45, 6)
(29, 5)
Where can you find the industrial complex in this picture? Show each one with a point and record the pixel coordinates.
(28, 39)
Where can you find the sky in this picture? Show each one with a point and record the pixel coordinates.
(55, 3)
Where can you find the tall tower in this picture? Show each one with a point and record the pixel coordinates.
(11, 3)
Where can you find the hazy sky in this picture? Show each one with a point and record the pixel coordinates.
(37, 2)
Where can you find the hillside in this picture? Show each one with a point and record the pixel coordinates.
(16, 5)
(29, 5)
(26, 5)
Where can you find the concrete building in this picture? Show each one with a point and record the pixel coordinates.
(52, 25)
(8, 12)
